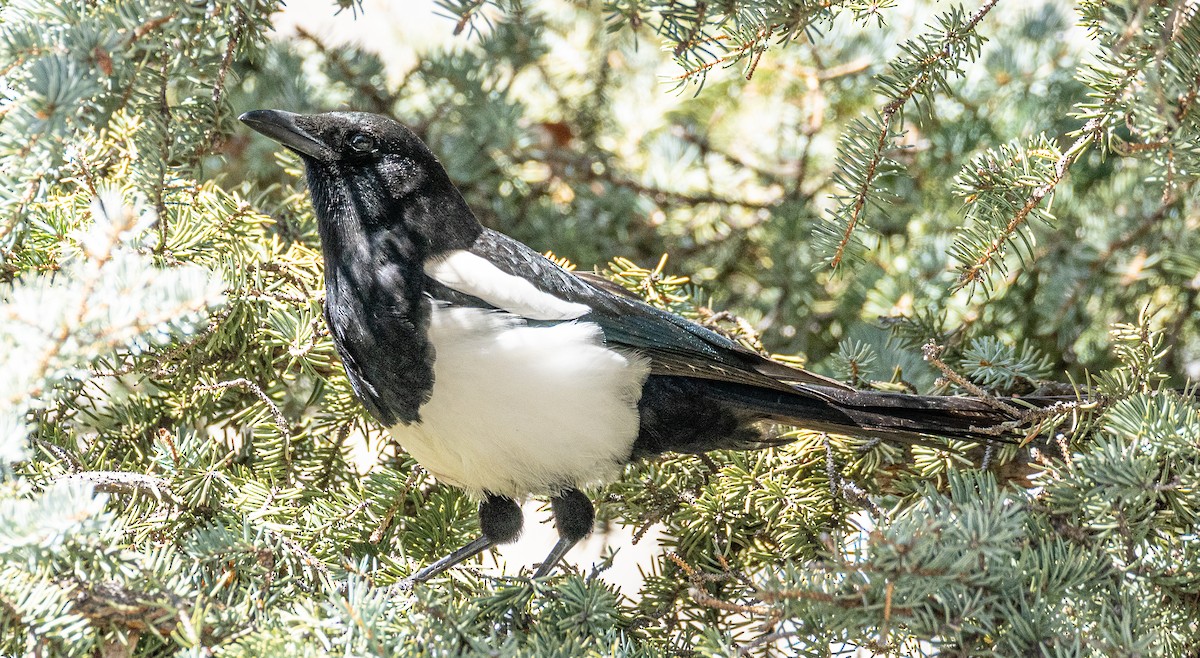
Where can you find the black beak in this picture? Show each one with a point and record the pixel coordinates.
(281, 127)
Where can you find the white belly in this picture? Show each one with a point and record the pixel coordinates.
(519, 410)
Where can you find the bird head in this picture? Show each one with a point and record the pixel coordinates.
(367, 173)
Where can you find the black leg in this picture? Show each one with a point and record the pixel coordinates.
(499, 518)
(574, 517)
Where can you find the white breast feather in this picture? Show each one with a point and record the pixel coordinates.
(519, 410)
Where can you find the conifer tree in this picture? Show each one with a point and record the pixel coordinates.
(989, 198)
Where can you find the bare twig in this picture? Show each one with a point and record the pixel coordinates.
(235, 37)
(933, 354)
(386, 521)
(160, 189)
(148, 27)
(247, 385)
(306, 558)
(71, 461)
(119, 482)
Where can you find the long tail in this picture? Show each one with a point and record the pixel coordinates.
(892, 416)
(898, 415)
(695, 415)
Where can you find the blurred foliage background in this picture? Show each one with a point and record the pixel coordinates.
(186, 472)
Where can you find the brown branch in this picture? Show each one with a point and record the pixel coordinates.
(1184, 104)
(933, 354)
(246, 384)
(758, 53)
(466, 17)
(733, 56)
(975, 271)
(112, 603)
(239, 27)
(709, 601)
(148, 27)
(860, 196)
(690, 40)
(285, 428)
(255, 293)
(164, 115)
(119, 482)
(885, 119)
(62, 454)
(1132, 148)
(18, 60)
(306, 558)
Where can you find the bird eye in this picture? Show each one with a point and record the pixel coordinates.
(361, 143)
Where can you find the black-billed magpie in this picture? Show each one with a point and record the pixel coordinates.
(504, 374)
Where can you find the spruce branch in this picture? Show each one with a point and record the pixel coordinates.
(113, 603)
(704, 36)
(543, 122)
(932, 352)
(865, 181)
(922, 70)
(753, 47)
(975, 271)
(281, 421)
(126, 483)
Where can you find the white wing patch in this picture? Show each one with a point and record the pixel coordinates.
(472, 275)
(519, 410)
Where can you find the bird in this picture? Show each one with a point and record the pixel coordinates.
(507, 375)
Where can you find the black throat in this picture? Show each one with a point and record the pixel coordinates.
(375, 247)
